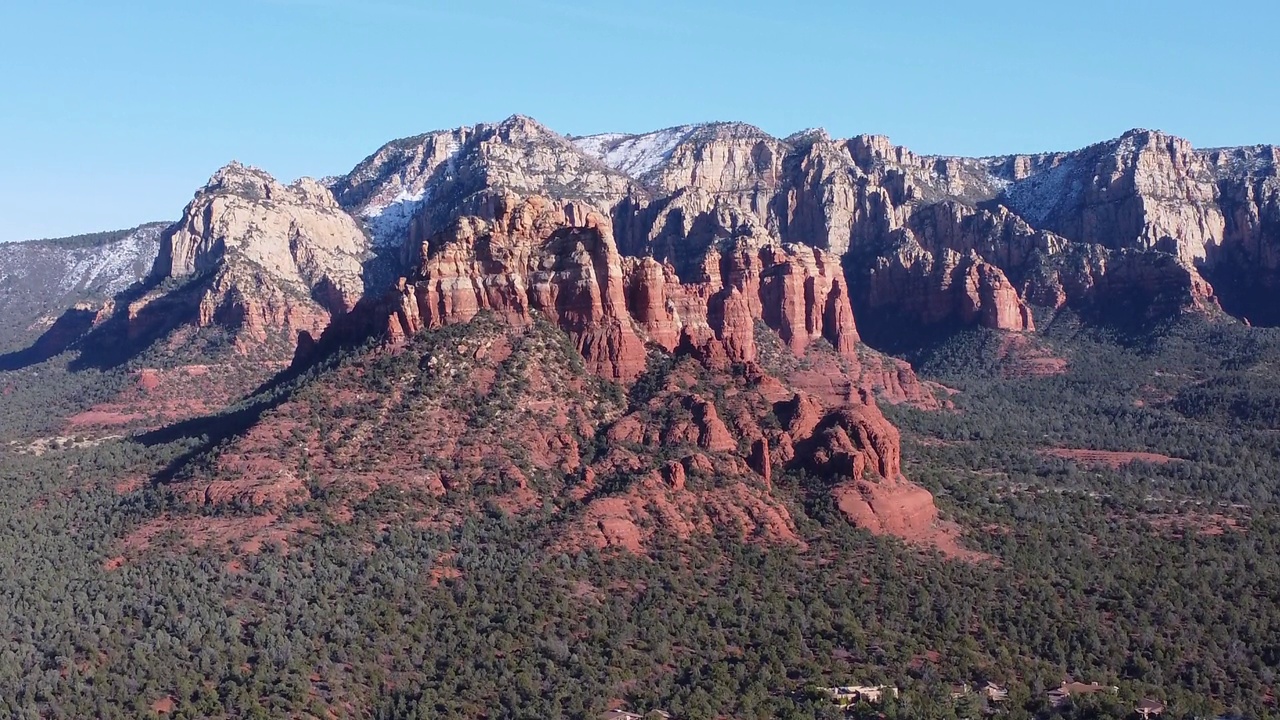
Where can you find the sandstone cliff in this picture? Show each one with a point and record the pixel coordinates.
(714, 270)
(913, 241)
(265, 257)
(1246, 266)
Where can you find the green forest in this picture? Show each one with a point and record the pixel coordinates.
(1162, 579)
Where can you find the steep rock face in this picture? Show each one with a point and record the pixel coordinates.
(1121, 284)
(1145, 190)
(738, 164)
(924, 240)
(523, 256)
(267, 256)
(1020, 225)
(742, 275)
(720, 229)
(920, 251)
(1246, 268)
(412, 189)
(944, 288)
(561, 261)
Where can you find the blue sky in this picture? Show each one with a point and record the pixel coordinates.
(114, 112)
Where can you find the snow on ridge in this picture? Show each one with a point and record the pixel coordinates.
(598, 145)
(1245, 160)
(1039, 196)
(387, 218)
(111, 267)
(387, 221)
(635, 155)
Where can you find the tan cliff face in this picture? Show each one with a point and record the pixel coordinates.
(932, 240)
(267, 256)
(738, 225)
(1246, 267)
(921, 240)
(722, 223)
(734, 259)
(1145, 190)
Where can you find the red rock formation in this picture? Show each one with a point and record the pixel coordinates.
(946, 287)
(531, 255)
(993, 300)
(560, 260)
(857, 453)
(900, 509)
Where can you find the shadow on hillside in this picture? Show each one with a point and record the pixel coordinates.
(70, 327)
(345, 334)
(134, 326)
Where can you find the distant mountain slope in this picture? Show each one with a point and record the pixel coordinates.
(39, 279)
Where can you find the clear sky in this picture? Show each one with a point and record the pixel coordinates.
(112, 112)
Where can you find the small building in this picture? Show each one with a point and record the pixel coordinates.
(960, 692)
(1068, 690)
(995, 693)
(619, 715)
(1149, 708)
(845, 695)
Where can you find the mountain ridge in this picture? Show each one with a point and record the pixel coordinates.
(706, 242)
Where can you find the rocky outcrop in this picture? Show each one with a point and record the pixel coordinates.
(1246, 267)
(413, 189)
(926, 240)
(266, 257)
(41, 279)
(1144, 190)
(526, 256)
(720, 224)
(720, 228)
(560, 260)
(1118, 285)
(943, 288)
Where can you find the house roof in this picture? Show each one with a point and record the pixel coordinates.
(1079, 688)
(619, 715)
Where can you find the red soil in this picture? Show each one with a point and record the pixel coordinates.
(240, 534)
(1107, 458)
(129, 484)
(444, 569)
(1024, 357)
(103, 417)
(163, 395)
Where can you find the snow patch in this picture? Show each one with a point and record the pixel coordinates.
(1040, 196)
(388, 218)
(387, 222)
(109, 268)
(635, 155)
(1245, 161)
